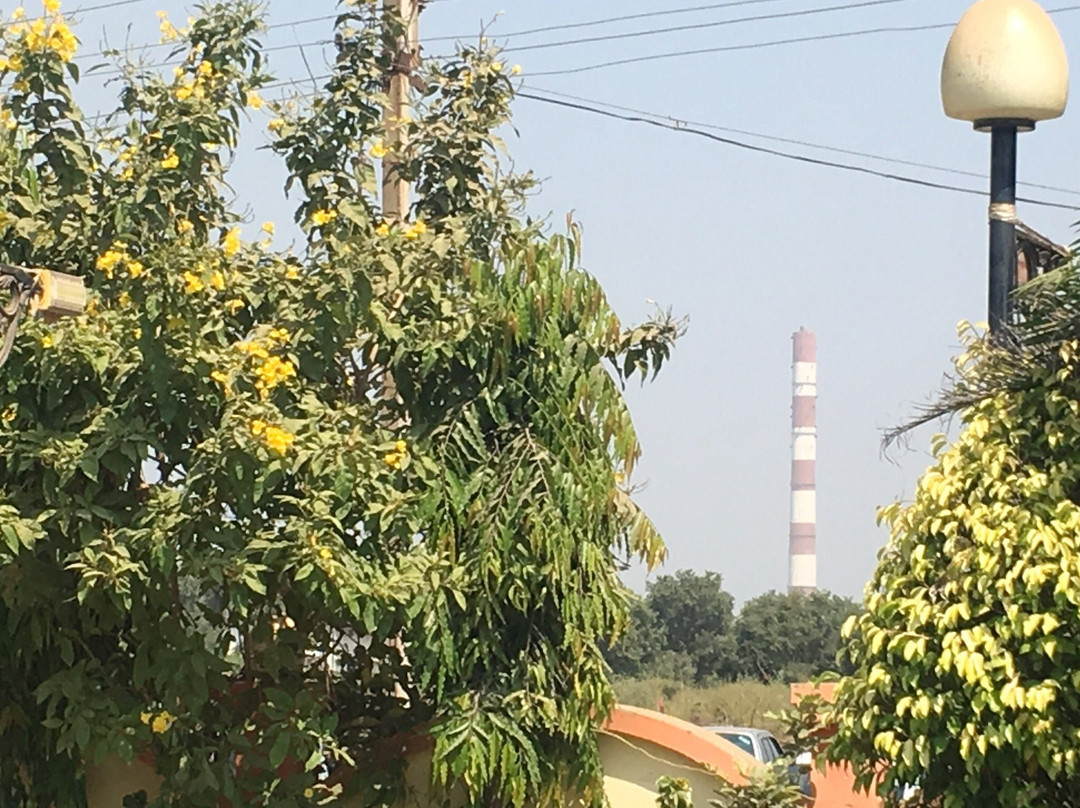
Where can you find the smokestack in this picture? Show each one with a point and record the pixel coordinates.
(802, 550)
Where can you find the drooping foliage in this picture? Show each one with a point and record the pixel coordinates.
(967, 655)
(263, 511)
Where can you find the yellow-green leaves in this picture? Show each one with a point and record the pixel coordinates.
(967, 646)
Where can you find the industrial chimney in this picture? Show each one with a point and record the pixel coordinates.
(802, 551)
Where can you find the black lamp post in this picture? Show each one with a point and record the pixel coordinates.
(1004, 70)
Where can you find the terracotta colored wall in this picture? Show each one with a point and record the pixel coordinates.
(835, 787)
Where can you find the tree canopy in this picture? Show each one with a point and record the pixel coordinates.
(791, 636)
(686, 629)
(281, 505)
(967, 653)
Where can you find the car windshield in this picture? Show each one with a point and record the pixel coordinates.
(744, 742)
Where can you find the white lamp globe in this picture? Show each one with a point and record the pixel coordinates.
(1005, 62)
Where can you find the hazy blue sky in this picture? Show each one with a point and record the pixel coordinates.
(749, 246)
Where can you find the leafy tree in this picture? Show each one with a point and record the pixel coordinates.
(696, 615)
(263, 510)
(791, 636)
(636, 652)
(967, 656)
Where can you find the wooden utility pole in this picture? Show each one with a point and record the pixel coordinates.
(406, 55)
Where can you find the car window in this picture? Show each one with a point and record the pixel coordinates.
(744, 742)
(774, 745)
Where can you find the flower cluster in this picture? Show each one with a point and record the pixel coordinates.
(197, 85)
(117, 257)
(395, 458)
(230, 244)
(195, 282)
(323, 217)
(273, 372)
(413, 231)
(277, 439)
(48, 34)
(159, 723)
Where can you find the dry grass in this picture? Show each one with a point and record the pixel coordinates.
(744, 704)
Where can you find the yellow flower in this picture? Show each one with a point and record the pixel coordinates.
(183, 92)
(18, 13)
(8, 415)
(496, 67)
(254, 100)
(221, 379)
(292, 273)
(278, 440)
(273, 372)
(231, 244)
(192, 283)
(234, 305)
(325, 553)
(51, 6)
(268, 228)
(145, 717)
(393, 459)
(205, 69)
(108, 260)
(276, 125)
(169, 32)
(417, 230)
(258, 427)
(280, 334)
(378, 150)
(172, 160)
(401, 446)
(467, 80)
(308, 793)
(162, 721)
(321, 217)
(217, 280)
(382, 230)
(516, 71)
(124, 299)
(135, 268)
(184, 226)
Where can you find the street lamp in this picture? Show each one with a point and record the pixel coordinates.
(1004, 70)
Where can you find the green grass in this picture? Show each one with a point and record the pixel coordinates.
(744, 704)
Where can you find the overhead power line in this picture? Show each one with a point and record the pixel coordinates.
(780, 15)
(698, 132)
(888, 29)
(681, 122)
(611, 20)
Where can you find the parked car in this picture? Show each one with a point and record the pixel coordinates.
(763, 746)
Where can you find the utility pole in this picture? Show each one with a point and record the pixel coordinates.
(406, 54)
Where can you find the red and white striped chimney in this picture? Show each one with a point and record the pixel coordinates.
(802, 550)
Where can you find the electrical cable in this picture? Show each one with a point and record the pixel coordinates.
(783, 154)
(780, 15)
(794, 142)
(767, 44)
(609, 20)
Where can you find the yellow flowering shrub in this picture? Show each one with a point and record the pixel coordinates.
(967, 657)
(402, 433)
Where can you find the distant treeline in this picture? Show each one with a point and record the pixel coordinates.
(685, 629)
